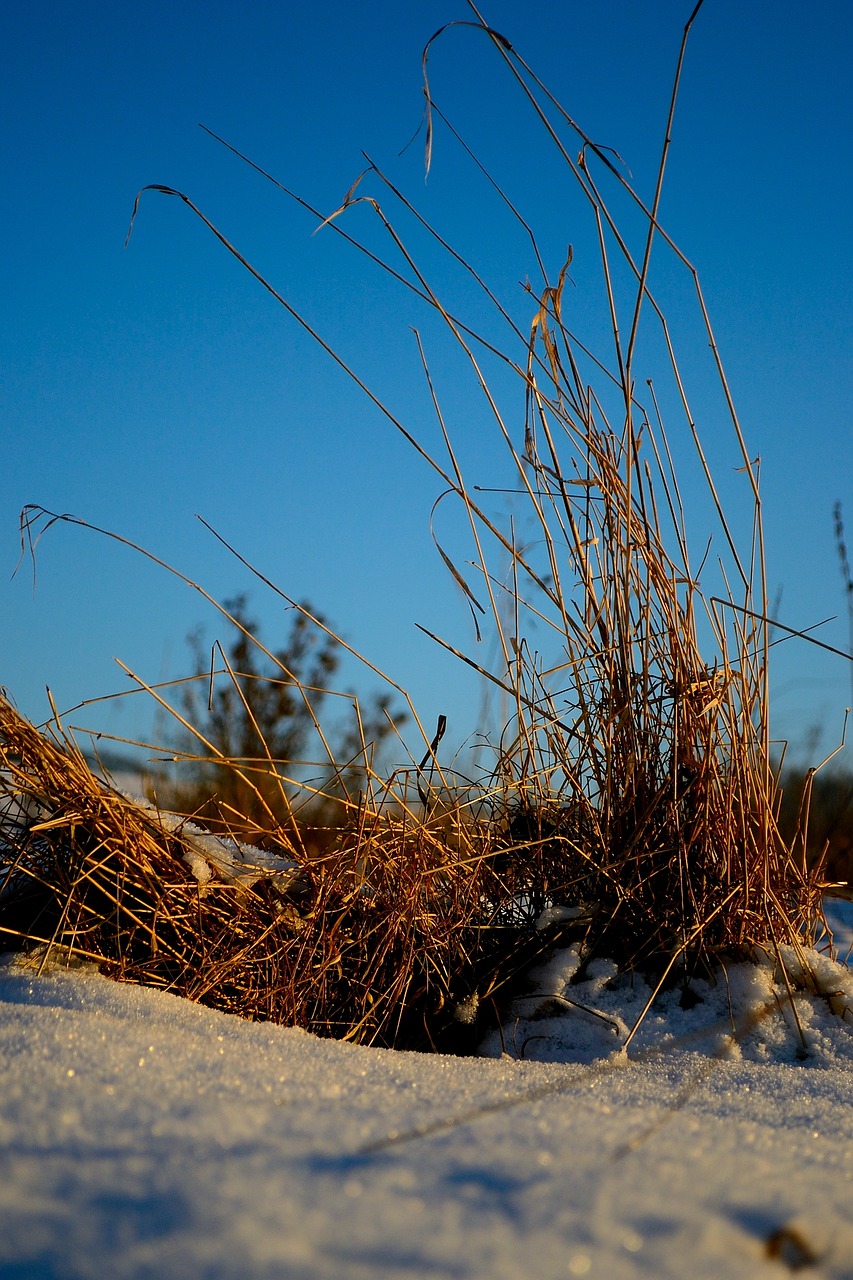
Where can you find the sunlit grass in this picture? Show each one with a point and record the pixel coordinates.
(630, 791)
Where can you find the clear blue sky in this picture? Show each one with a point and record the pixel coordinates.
(143, 385)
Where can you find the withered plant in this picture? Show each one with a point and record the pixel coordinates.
(631, 800)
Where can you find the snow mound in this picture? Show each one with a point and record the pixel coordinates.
(797, 1007)
(143, 1135)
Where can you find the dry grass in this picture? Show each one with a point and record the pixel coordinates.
(632, 786)
(381, 940)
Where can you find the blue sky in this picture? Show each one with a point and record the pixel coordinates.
(144, 385)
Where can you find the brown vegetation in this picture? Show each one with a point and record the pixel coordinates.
(631, 793)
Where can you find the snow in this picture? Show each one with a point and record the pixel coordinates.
(142, 1135)
(205, 854)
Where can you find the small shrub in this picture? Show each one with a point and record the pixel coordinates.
(823, 804)
(245, 765)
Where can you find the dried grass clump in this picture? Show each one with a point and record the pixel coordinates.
(393, 939)
(647, 777)
(632, 797)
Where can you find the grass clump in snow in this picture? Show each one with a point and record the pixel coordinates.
(382, 940)
(631, 802)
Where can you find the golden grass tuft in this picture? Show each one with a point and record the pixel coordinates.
(391, 939)
(632, 793)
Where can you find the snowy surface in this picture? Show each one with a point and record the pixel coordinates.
(141, 1135)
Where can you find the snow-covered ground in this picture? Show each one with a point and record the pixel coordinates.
(143, 1136)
